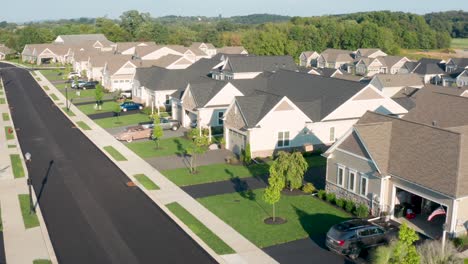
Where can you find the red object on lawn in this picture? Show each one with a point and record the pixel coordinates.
(10, 130)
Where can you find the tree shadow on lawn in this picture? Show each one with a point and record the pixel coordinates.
(241, 186)
(181, 150)
(317, 225)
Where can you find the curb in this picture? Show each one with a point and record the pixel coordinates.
(42, 225)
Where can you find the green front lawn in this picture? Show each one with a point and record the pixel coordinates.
(61, 85)
(8, 135)
(214, 173)
(73, 94)
(167, 147)
(42, 261)
(89, 109)
(83, 125)
(69, 112)
(54, 75)
(5, 117)
(17, 166)
(29, 218)
(211, 239)
(11, 146)
(306, 216)
(126, 120)
(54, 97)
(146, 182)
(2, 101)
(114, 153)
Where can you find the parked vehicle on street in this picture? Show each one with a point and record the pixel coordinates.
(134, 133)
(165, 123)
(351, 237)
(72, 75)
(130, 106)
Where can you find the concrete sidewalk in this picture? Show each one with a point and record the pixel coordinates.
(246, 252)
(21, 245)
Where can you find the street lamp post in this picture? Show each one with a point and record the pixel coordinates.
(27, 156)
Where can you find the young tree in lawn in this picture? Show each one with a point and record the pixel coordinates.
(157, 130)
(272, 193)
(405, 250)
(297, 166)
(198, 146)
(98, 95)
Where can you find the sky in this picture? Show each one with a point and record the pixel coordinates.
(56, 9)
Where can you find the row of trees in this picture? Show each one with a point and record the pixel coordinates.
(389, 31)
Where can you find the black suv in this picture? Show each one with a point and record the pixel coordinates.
(351, 237)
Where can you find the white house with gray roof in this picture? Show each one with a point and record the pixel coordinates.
(291, 110)
(390, 84)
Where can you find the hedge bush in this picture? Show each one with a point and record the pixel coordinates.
(361, 211)
(322, 194)
(349, 206)
(330, 197)
(340, 203)
(461, 241)
(308, 188)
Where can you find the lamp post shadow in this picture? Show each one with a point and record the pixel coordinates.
(44, 182)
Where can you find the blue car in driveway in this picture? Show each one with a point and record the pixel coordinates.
(130, 106)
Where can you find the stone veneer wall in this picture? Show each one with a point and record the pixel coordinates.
(345, 194)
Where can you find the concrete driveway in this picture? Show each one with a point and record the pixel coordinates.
(167, 133)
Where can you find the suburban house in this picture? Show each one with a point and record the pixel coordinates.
(294, 110)
(371, 66)
(308, 59)
(248, 67)
(232, 50)
(154, 52)
(47, 53)
(430, 70)
(5, 51)
(390, 84)
(326, 72)
(456, 78)
(334, 58)
(97, 41)
(456, 64)
(207, 49)
(154, 86)
(369, 53)
(119, 72)
(391, 165)
(128, 48)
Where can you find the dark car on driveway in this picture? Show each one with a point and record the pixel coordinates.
(351, 237)
(130, 106)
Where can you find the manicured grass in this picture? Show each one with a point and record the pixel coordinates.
(2, 101)
(214, 173)
(61, 85)
(29, 218)
(306, 216)
(114, 153)
(146, 182)
(54, 75)
(69, 112)
(88, 109)
(8, 135)
(170, 146)
(5, 116)
(466, 261)
(42, 261)
(46, 88)
(38, 79)
(83, 125)
(122, 120)
(459, 43)
(17, 166)
(73, 94)
(11, 146)
(211, 239)
(54, 97)
(1, 92)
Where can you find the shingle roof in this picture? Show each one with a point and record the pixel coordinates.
(425, 155)
(231, 50)
(326, 72)
(204, 89)
(5, 50)
(332, 55)
(255, 107)
(396, 80)
(260, 63)
(367, 52)
(354, 145)
(123, 46)
(389, 61)
(167, 60)
(74, 39)
(460, 62)
(429, 66)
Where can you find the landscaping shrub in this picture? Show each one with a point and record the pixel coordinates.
(461, 241)
(361, 211)
(308, 188)
(340, 202)
(431, 252)
(217, 130)
(331, 197)
(322, 194)
(349, 206)
(146, 111)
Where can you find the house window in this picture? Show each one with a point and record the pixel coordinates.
(332, 133)
(220, 118)
(340, 176)
(363, 185)
(352, 181)
(283, 139)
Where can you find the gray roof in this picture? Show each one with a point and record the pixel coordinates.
(429, 66)
(333, 55)
(231, 50)
(367, 52)
(410, 65)
(399, 80)
(159, 79)
(5, 50)
(75, 39)
(204, 89)
(460, 62)
(259, 63)
(429, 156)
(327, 72)
(255, 107)
(406, 97)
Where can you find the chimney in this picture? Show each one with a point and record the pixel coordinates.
(434, 123)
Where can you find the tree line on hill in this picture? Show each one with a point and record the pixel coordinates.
(260, 34)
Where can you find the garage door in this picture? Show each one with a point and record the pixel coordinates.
(236, 142)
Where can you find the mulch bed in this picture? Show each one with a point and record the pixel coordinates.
(278, 221)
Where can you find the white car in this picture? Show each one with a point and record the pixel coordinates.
(72, 75)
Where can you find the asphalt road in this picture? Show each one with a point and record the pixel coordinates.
(91, 215)
(2, 250)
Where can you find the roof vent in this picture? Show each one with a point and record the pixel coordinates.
(434, 123)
